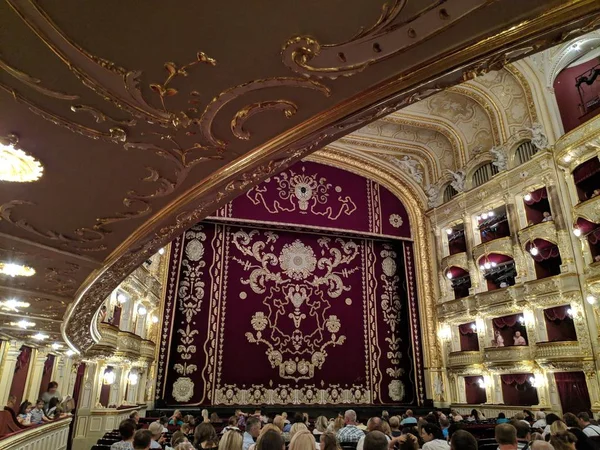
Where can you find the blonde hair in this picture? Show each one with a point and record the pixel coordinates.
(302, 440)
(321, 424)
(385, 428)
(558, 426)
(231, 440)
(297, 427)
(279, 422)
(270, 427)
(338, 423)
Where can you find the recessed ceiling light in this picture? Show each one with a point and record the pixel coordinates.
(40, 336)
(18, 166)
(22, 324)
(16, 270)
(13, 305)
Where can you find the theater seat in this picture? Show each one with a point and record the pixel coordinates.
(7, 424)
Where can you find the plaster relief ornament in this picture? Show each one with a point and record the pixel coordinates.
(500, 158)
(433, 196)
(459, 180)
(396, 390)
(183, 389)
(409, 166)
(396, 221)
(538, 137)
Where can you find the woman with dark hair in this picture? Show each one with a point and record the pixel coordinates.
(24, 416)
(271, 440)
(433, 437)
(502, 418)
(51, 392)
(328, 441)
(205, 436)
(54, 402)
(463, 440)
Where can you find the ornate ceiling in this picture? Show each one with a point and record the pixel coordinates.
(147, 117)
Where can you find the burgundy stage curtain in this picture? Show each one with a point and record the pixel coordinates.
(559, 325)
(573, 392)
(468, 338)
(517, 390)
(46, 375)
(474, 393)
(17, 387)
(508, 326)
(537, 196)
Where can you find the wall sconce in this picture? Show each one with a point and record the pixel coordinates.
(154, 319)
(522, 320)
(590, 299)
(482, 384)
(142, 310)
(133, 378)
(445, 333)
(571, 312)
(576, 232)
(69, 353)
(537, 380)
(109, 376)
(534, 251)
(121, 298)
(567, 158)
(527, 197)
(449, 275)
(474, 327)
(161, 251)
(448, 231)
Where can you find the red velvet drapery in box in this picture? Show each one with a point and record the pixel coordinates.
(507, 326)
(46, 374)
(475, 394)
(468, 337)
(518, 391)
(17, 387)
(573, 392)
(559, 324)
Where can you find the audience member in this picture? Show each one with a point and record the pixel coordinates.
(540, 420)
(386, 429)
(583, 441)
(537, 436)
(328, 441)
(407, 441)
(477, 415)
(558, 426)
(204, 414)
(376, 440)
(433, 438)
(547, 216)
(126, 430)
(214, 418)
(499, 341)
(296, 427)
(385, 416)
(588, 428)
(303, 440)
(337, 424)
(164, 421)
(523, 432)
(251, 433)
(320, 425)
(350, 432)
(232, 440)
(241, 418)
(374, 424)
(444, 425)
(288, 424)
(24, 416)
(205, 436)
(455, 415)
(279, 422)
(528, 416)
(177, 438)
(185, 446)
(410, 419)
(271, 440)
(37, 414)
(506, 436)
(463, 440)
(541, 445)
(176, 418)
(142, 439)
(563, 441)
(51, 392)
(395, 426)
(52, 406)
(135, 416)
(521, 416)
(550, 419)
(501, 418)
(518, 339)
(157, 437)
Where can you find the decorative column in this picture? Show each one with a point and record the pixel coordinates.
(141, 388)
(494, 392)
(542, 332)
(117, 389)
(36, 371)
(10, 351)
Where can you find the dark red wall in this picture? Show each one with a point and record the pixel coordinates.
(17, 387)
(46, 376)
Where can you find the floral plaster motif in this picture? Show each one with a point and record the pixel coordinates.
(183, 389)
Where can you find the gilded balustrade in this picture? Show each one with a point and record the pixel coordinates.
(456, 260)
(499, 355)
(109, 338)
(589, 210)
(502, 246)
(148, 350)
(129, 345)
(543, 230)
(465, 358)
(563, 350)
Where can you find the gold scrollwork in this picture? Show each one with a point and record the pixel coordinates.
(237, 123)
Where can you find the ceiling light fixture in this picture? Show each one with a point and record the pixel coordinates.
(23, 324)
(69, 352)
(56, 346)
(521, 320)
(577, 232)
(449, 275)
(121, 298)
(13, 305)
(448, 231)
(527, 197)
(17, 166)
(567, 158)
(534, 251)
(590, 299)
(40, 336)
(109, 377)
(484, 216)
(133, 378)
(16, 270)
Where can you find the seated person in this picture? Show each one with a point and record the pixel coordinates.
(52, 406)
(547, 217)
(59, 413)
(126, 430)
(37, 414)
(519, 340)
(10, 407)
(24, 416)
(502, 418)
(595, 193)
(176, 418)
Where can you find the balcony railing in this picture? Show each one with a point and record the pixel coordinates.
(543, 230)
(457, 260)
(53, 436)
(558, 350)
(507, 354)
(467, 358)
(129, 345)
(501, 245)
(147, 349)
(109, 338)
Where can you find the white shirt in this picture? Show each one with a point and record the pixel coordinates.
(520, 340)
(540, 423)
(592, 430)
(361, 442)
(436, 444)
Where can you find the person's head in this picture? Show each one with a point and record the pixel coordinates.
(269, 427)
(177, 414)
(463, 440)
(302, 440)
(385, 428)
(374, 424)
(523, 431)
(185, 446)
(350, 417)
(394, 423)
(298, 417)
(214, 417)
(375, 440)
(411, 442)
(338, 423)
(135, 416)
(52, 387)
(541, 445)
(186, 428)
(25, 407)
(53, 402)
(558, 426)
(177, 438)
(320, 424)
(506, 434)
(232, 440)
(328, 441)
(39, 404)
(537, 436)
(127, 430)
(58, 412)
(519, 416)
(517, 334)
(305, 418)
(475, 414)
(444, 422)
(570, 420)
(551, 417)
(501, 415)
(12, 401)
(253, 427)
(546, 214)
(204, 414)
(232, 422)
(142, 440)
(584, 419)
(204, 432)
(270, 440)
(279, 422)
(429, 432)
(540, 415)
(156, 430)
(164, 420)
(563, 440)
(409, 413)
(296, 428)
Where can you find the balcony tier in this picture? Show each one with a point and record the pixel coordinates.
(499, 355)
(468, 358)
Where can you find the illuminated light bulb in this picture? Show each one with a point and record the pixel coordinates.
(481, 384)
(532, 381)
(590, 299)
(449, 275)
(484, 216)
(154, 319)
(133, 378)
(18, 166)
(534, 251)
(161, 251)
(482, 268)
(448, 231)
(478, 218)
(23, 324)
(577, 232)
(69, 352)
(567, 158)
(527, 197)
(474, 327)
(13, 304)
(109, 377)
(142, 311)
(40, 336)
(521, 320)
(494, 264)
(121, 298)
(570, 312)
(56, 346)
(16, 270)
(487, 265)
(491, 214)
